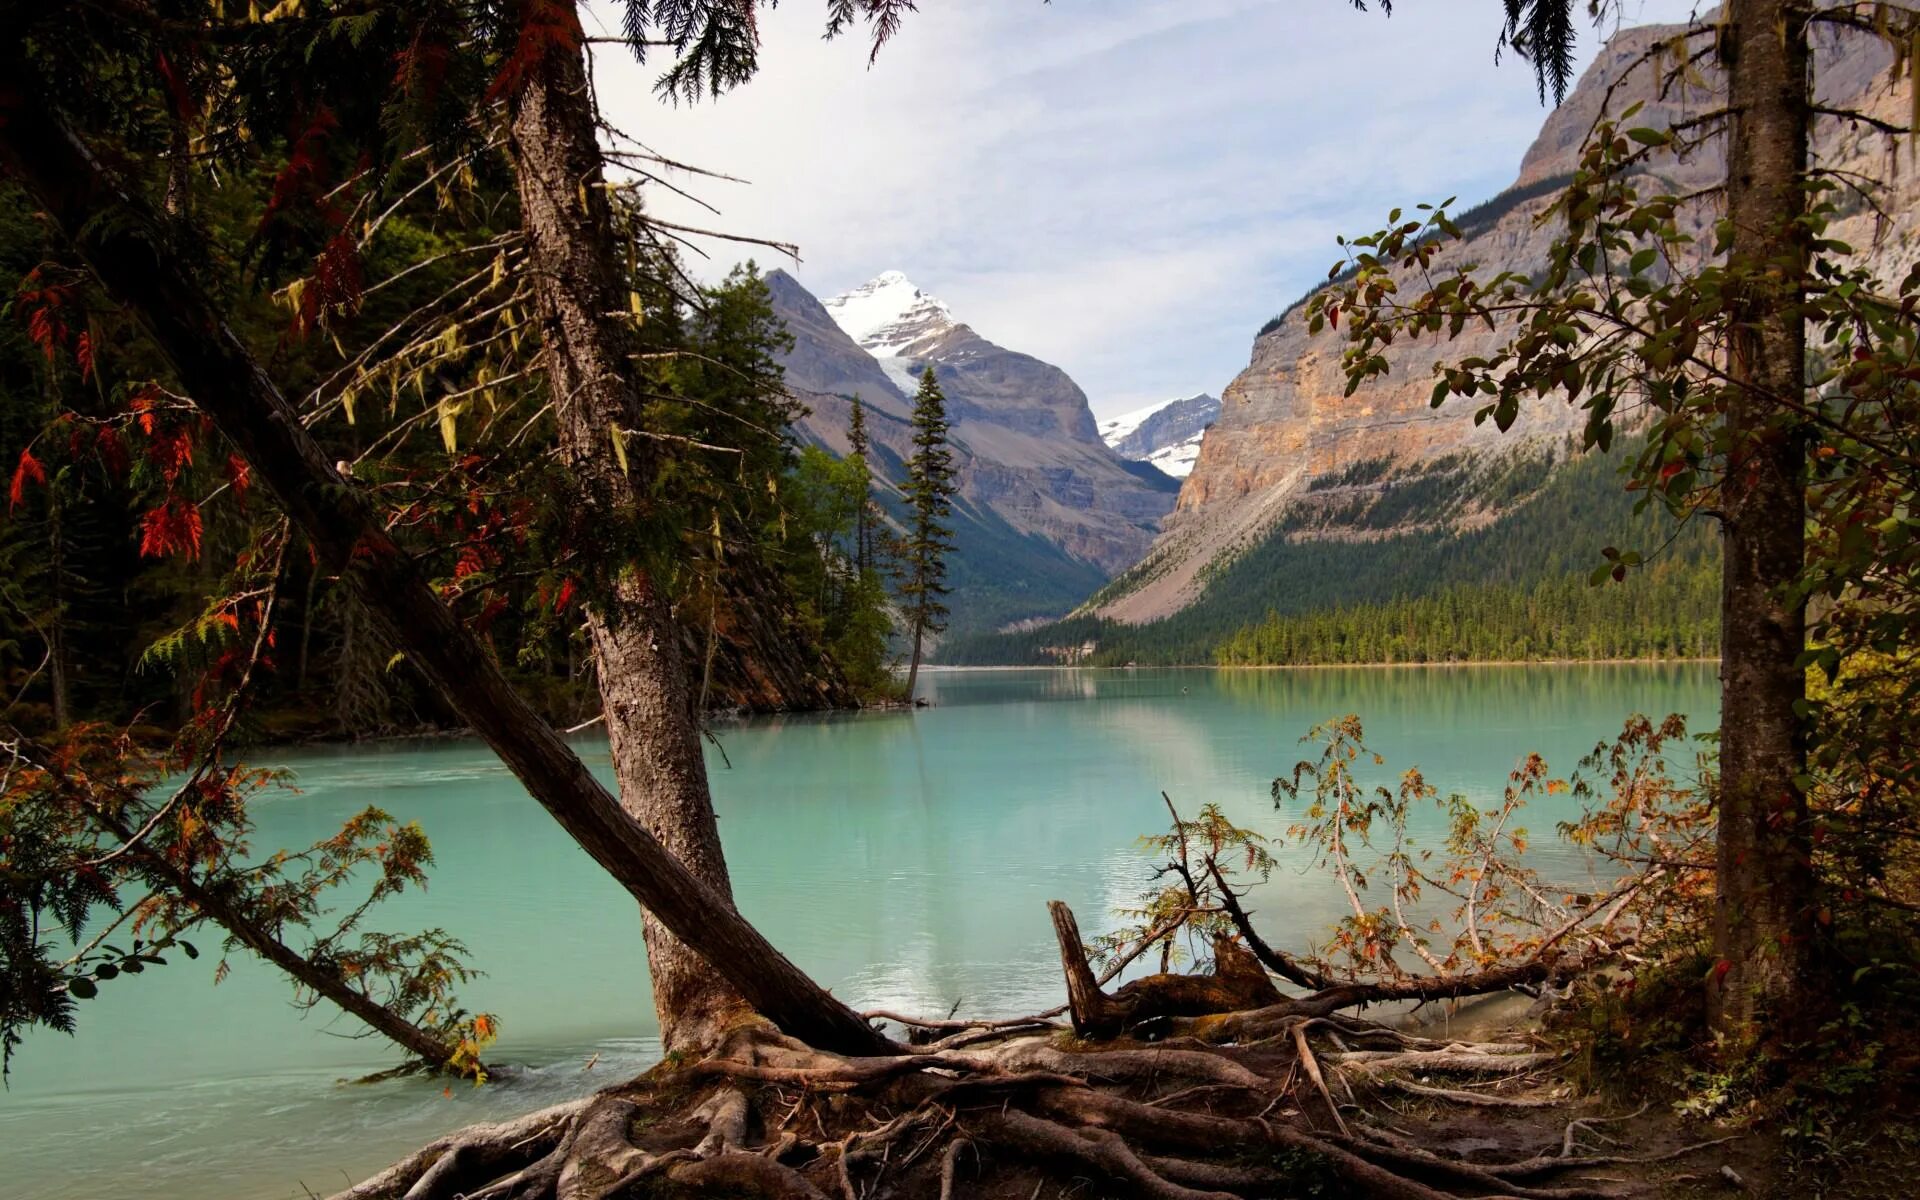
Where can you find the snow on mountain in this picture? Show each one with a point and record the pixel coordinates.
(1114, 429)
(903, 372)
(887, 315)
(1028, 457)
(1166, 434)
(1177, 460)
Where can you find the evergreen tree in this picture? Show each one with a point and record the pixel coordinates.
(929, 492)
(860, 450)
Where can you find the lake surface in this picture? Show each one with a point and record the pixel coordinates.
(904, 859)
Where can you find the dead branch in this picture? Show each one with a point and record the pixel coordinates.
(1460, 1062)
(1236, 982)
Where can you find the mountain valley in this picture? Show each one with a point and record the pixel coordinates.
(1303, 499)
(1047, 511)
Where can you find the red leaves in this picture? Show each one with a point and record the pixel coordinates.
(239, 474)
(546, 27)
(496, 604)
(44, 309)
(172, 528)
(336, 286)
(305, 172)
(564, 596)
(185, 105)
(472, 561)
(170, 451)
(142, 405)
(29, 471)
(421, 68)
(111, 451)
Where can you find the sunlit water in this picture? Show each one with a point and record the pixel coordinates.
(904, 859)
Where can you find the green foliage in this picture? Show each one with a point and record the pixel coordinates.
(928, 492)
(1472, 223)
(1182, 913)
(1670, 612)
(826, 516)
(360, 241)
(103, 840)
(1646, 319)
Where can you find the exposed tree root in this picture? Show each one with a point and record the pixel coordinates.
(1457, 1096)
(1104, 1153)
(998, 1109)
(1488, 1061)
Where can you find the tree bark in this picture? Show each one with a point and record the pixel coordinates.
(57, 616)
(913, 671)
(652, 718)
(306, 628)
(1090, 1007)
(1763, 913)
(125, 246)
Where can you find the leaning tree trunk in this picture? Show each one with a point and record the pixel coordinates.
(645, 692)
(1762, 915)
(57, 676)
(127, 249)
(919, 636)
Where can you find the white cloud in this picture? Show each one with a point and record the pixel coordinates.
(1126, 188)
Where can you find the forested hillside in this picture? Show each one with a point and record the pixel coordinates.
(1399, 585)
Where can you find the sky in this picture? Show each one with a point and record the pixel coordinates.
(1125, 188)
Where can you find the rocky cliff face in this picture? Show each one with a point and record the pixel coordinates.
(1028, 452)
(1288, 439)
(1166, 435)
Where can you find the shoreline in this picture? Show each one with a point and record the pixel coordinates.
(428, 733)
(1355, 666)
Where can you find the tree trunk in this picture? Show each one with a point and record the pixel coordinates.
(1762, 915)
(57, 678)
(306, 627)
(123, 244)
(652, 720)
(913, 669)
(1089, 1006)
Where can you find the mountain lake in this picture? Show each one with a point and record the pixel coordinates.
(903, 858)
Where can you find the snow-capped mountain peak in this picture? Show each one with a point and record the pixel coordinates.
(888, 314)
(1166, 434)
(1114, 429)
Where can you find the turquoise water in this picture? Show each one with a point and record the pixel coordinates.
(904, 859)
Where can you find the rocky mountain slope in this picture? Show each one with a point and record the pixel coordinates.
(1047, 512)
(1166, 434)
(1292, 458)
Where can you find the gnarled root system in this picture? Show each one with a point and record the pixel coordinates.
(1016, 1109)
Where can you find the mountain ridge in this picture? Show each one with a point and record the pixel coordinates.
(1040, 494)
(1287, 427)
(1166, 434)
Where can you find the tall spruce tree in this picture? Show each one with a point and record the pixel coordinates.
(860, 448)
(929, 491)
